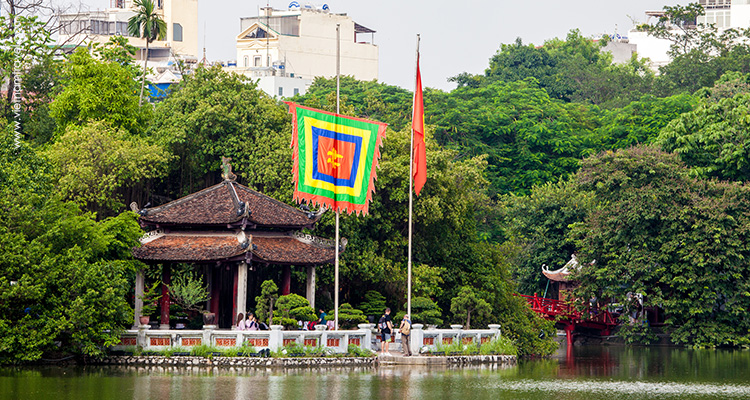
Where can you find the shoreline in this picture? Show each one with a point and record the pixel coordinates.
(301, 362)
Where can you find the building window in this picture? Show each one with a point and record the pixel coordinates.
(246, 61)
(296, 91)
(160, 4)
(177, 32)
(281, 91)
(268, 61)
(257, 61)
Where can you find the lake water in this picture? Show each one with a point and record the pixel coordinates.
(585, 373)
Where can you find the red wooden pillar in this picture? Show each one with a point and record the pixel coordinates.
(166, 277)
(286, 280)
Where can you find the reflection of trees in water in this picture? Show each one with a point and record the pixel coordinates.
(655, 362)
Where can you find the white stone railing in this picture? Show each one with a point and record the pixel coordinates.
(274, 339)
(430, 338)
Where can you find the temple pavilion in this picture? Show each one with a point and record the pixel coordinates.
(229, 230)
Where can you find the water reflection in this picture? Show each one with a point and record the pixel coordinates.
(585, 373)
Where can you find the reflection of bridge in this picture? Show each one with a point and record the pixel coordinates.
(563, 313)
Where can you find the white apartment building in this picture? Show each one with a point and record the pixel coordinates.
(286, 49)
(181, 17)
(724, 14)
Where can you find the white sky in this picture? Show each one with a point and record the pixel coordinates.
(457, 36)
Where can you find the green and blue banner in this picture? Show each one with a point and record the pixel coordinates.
(334, 158)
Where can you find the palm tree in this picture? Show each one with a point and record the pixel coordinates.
(146, 24)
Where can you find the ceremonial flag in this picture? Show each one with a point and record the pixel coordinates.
(334, 158)
(419, 162)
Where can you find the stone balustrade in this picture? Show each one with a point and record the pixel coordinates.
(273, 339)
(430, 338)
(337, 341)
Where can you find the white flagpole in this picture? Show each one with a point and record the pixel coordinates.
(336, 269)
(411, 194)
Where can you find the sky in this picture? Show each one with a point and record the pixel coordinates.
(456, 36)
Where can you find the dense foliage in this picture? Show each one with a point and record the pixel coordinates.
(680, 241)
(542, 156)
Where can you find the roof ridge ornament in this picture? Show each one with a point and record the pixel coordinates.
(317, 241)
(226, 169)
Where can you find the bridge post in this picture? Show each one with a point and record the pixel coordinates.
(569, 328)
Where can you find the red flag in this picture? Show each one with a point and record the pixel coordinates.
(419, 161)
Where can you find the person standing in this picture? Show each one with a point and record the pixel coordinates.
(321, 317)
(385, 324)
(405, 330)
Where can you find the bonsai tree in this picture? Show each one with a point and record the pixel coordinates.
(292, 308)
(150, 297)
(349, 316)
(189, 292)
(264, 302)
(373, 304)
(467, 302)
(423, 311)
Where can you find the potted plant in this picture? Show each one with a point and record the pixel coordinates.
(150, 298)
(189, 292)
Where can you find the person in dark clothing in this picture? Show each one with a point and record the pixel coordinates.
(385, 324)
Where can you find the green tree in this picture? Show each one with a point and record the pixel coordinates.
(349, 317)
(63, 276)
(423, 311)
(467, 302)
(295, 307)
(211, 114)
(96, 161)
(188, 291)
(97, 90)
(373, 304)
(146, 24)
(539, 225)
(680, 241)
(528, 137)
(269, 292)
(713, 139)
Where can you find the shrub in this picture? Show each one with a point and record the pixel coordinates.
(349, 317)
(373, 304)
(423, 311)
(295, 307)
(501, 345)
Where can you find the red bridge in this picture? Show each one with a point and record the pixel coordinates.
(563, 313)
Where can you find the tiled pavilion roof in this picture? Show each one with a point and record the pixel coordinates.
(228, 203)
(271, 248)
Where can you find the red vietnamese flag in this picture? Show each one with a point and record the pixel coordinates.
(419, 160)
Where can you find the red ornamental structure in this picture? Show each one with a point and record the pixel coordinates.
(563, 311)
(231, 231)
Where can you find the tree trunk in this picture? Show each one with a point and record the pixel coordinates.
(143, 78)
(468, 320)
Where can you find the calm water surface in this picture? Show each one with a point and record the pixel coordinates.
(587, 373)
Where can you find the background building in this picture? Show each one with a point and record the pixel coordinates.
(181, 17)
(286, 49)
(723, 14)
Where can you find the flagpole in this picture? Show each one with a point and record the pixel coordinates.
(336, 269)
(411, 197)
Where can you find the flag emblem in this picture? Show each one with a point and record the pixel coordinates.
(335, 158)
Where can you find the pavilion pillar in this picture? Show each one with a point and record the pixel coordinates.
(311, 286)
(286, 280)
(138, 305)
(241, 289)
(166, 276)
